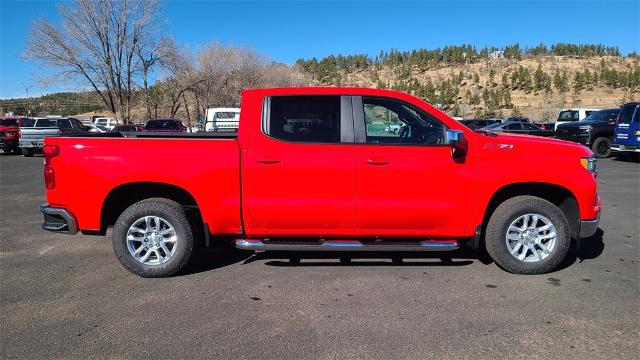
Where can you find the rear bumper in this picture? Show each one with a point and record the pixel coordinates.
(589, 227)
(58, 220)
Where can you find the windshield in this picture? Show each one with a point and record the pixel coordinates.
(569, 115)
(162, 125)
(493, 126)
(226, 115)
(9, 122)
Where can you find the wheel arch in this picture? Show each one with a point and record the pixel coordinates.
(125, 195)
(558, 195)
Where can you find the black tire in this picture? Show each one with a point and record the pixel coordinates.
(16, 151)
(27, 152)
(509, 211)
(171, 212)
(602, 147)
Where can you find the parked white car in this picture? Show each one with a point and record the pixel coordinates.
(570, 115)
(222, 119)
(108, 123)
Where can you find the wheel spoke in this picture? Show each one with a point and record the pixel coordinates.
(543, 228)
(516, 249)
(523, 254)
(534, 221)
(164, 248)
(514, 228)
(160, 258)
(170, 239)
(135, 238)
(145, 257)
(534, 251)
(136, 229)
(166, 232)
(147, 223)
(138, 251)
(525, 222)
(543, 247)
(156, 220)
(547, 236)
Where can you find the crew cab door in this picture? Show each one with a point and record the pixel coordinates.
(408, 183)
(299, 170)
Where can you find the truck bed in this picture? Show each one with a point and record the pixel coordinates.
(91, 166)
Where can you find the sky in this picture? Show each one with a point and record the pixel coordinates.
(286, 31)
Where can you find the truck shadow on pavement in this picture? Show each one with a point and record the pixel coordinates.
(211, 259)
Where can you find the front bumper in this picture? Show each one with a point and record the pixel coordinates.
(58, 220)
(589, 227)
(625, 148)
(577, 138)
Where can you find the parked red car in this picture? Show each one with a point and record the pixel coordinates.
(165, 125)
(10, 132)
(314, 169)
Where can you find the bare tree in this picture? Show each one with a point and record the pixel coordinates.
(103, 42)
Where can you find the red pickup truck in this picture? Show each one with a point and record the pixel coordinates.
(319, 169)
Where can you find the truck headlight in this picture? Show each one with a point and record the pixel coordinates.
(590, 164)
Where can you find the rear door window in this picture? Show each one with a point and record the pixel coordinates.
(312, 119)
(64, 123)
(514, 126)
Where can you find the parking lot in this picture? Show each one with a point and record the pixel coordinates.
(68, 297)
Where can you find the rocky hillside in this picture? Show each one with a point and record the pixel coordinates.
(536, 84)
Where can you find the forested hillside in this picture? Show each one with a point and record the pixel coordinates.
(468, 82)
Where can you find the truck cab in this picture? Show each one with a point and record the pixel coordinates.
(627, 131)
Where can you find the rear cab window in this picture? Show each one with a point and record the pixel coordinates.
(569, 115)
(305, 119)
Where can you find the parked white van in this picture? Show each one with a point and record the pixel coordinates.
(569, 115)
(222, 119)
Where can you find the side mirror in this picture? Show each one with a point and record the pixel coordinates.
(459, 144)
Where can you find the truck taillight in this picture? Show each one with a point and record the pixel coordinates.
(49, 151)
(49, 177)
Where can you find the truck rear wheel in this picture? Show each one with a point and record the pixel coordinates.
(528, 235)
(602, 147)
(153, 238)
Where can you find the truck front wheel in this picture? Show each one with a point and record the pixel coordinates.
(602, 147)
(527, 235)
(153, 238)
(27, 152)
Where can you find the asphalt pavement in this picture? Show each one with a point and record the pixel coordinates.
(67, 297)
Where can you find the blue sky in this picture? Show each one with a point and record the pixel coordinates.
(286, 31)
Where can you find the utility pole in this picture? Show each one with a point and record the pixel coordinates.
(26, 88)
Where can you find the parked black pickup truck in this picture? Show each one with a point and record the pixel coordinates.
(518, 127)
(594, 131)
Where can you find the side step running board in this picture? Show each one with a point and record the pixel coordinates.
(346, 245)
